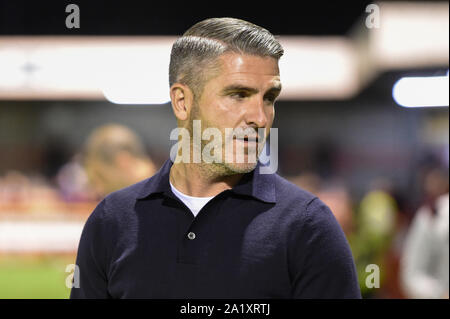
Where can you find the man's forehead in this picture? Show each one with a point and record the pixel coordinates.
(235, 64)
(237, 68)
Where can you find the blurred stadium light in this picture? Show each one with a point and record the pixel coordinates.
(422, 91)
(411, 35)
(134, 70)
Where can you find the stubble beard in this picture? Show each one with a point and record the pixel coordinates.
(220, 167)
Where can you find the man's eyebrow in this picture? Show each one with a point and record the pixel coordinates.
(238, 87)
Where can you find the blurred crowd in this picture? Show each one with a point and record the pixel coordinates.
(408, 243)
(113, 157)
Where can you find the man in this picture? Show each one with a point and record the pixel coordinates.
(115, 157)
(220, 228)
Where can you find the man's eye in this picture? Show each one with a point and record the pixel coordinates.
(270, 98)
(239, 95)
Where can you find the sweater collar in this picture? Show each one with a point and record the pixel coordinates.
(254, 184)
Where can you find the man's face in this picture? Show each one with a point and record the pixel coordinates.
(241, 95)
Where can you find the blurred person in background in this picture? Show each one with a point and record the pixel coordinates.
(375, 225)
(425, 260)
(435, 184)
(115, 157)
(73, 182)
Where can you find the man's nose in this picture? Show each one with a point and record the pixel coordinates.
(256, 115)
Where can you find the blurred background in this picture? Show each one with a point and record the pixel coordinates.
(362, 122)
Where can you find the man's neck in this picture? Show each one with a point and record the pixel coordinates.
(198, 181)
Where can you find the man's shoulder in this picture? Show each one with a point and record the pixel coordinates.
(125, 198)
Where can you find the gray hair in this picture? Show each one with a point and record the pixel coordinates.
(204, 42)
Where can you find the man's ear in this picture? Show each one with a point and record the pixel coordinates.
(182, 100)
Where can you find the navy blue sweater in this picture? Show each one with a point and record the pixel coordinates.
(264, 238)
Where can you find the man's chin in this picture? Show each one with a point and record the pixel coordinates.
(240, 168)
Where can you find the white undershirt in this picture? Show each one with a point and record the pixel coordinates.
(194, 203)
